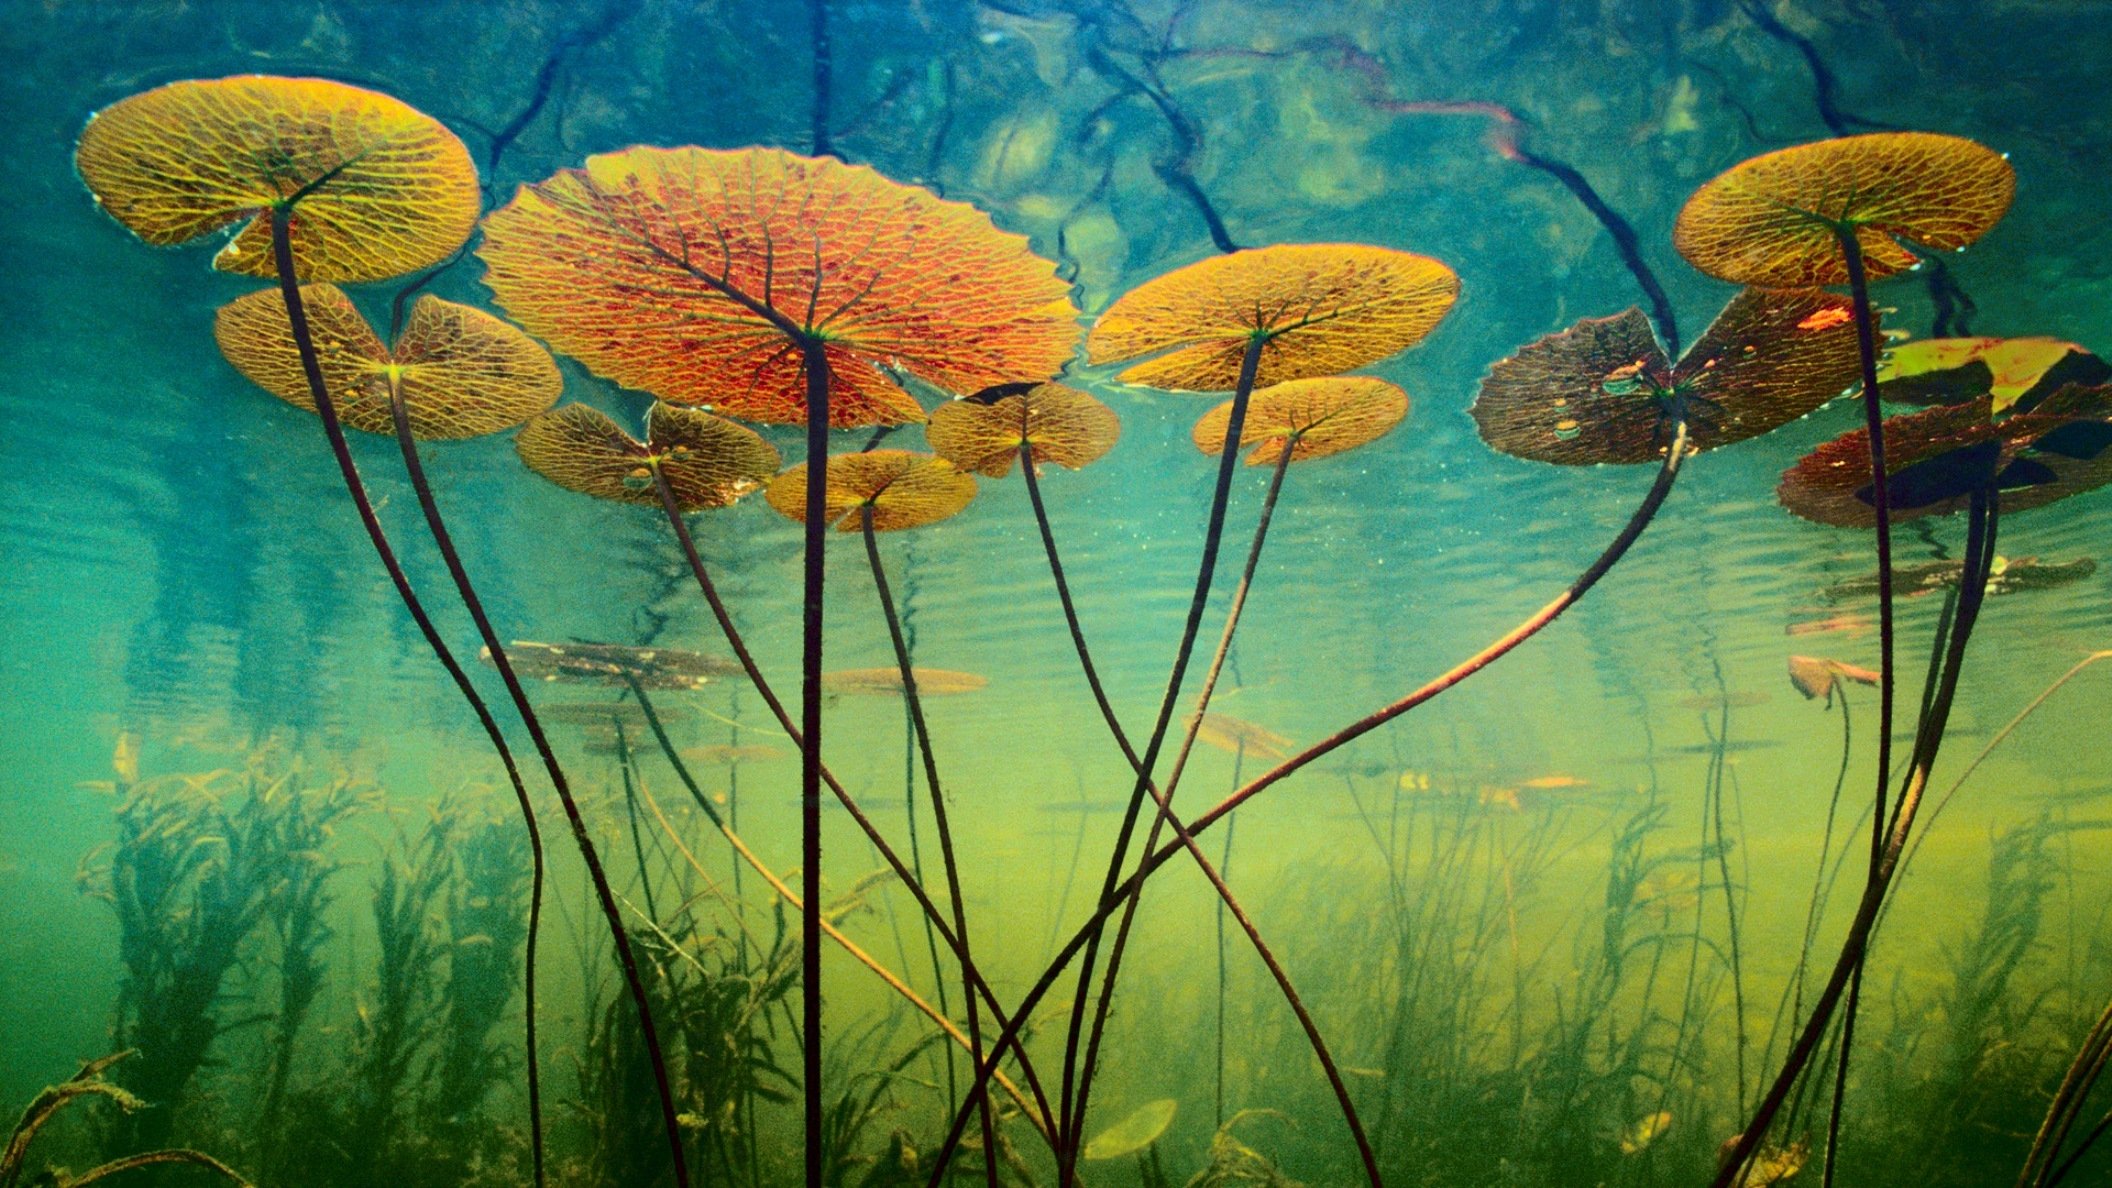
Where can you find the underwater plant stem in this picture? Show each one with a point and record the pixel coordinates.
(872, 832)
(1038, 1116)
(1660, 488)
(2067, 1100)
(938, 816)
(1881, 512)
(816, 362)
(443, 540)
(1224, 868)
(1227, 902)
(1996, 740)
(326, 411)
(1818, 881)
(1979, 552)
(1163, 799)
(630, 812)
(1206, 570)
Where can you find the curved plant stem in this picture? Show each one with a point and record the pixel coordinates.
(2067, 1102)
(1007, 1039)
(1998, 738)
(1979, 551)
(748, 858)
(903, 874)
(816, 362)
(1227, 902)
(1163, 800)
(938, 816)
(326, 411)
(414, 467)
(630, 812)
(1072, 1119)
(1224, 868)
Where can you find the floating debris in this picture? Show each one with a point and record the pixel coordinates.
(1237, 736)
(608, 714)
(931, 682)
(2008, 575)
(614, 664)
(1815, 677)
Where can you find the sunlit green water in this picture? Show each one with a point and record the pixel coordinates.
(181, 564)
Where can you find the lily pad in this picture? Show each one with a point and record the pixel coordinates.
(1602, 391)
(377, 188)
(905, 490)
(2016, 372)
(1312, 418)
(1323, 309)
(688, 272)
(462, 372)
(984, 432)
(1939, 456)
(708, 461)
(1773, 220)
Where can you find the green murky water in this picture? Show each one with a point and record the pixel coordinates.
(1549, 924)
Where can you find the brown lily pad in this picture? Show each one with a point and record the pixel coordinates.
(1775, 219)
(1312, 418)
(984, 433)
(461, 371)
(1323, 309)
(1603, 392)
(905, 490)
(1937, 457)
(708, 461)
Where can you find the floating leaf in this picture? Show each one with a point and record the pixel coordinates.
(1311, 417)
(2014, 371)
(931, 682)
(1644, 1131)
(1324, 308)
(1228, 733)
(686, 272)
(1939, 456)
(1602, 391)
(2007, 575)
(378, 188)
(1144, 1126)
(723, 754)
(984, 432)
(462, 372)
(708, 461)
(905, 490)
(1815, 677)
(1772, 220)
(613, 664)
(606, 713)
